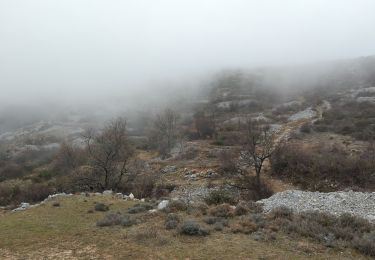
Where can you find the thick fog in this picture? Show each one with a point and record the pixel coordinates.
(85, 50)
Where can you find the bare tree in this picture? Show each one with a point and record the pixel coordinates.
(258, 146)
(163, 135)
(109, 152)
(204, 125)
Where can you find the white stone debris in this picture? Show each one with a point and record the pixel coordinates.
(361, 204)
(163, 204)
(107, 192)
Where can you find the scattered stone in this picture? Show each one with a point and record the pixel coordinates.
(23, 206)
(305, 114)
(119, 195)
(107, 192)
(131, 196)
(169, 169)
(360, 204)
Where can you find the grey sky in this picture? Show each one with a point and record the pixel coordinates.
(66, 48)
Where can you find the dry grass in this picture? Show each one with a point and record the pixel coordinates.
(68, 232)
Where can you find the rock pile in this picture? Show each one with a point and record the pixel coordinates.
(360, 204)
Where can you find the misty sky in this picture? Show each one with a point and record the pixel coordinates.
(89, 48)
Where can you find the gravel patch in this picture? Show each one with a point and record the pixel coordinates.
(308, 113)
(360, 204)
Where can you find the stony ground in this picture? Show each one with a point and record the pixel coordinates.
(361, 204)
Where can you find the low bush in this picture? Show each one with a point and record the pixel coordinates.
(343, 231)
(192, 228)
(136, 209)
(198, 208)
(116, 218)
(220, 196)
(365, 244)
(281, 212)
(246, 226)
(172, 220)
(324, 168)
(128, 221)
(241, 209)
(150, 235)
(215, 220)
(176, 205)
(111, 219)
(13, 192)
(101, 207)
(223, 211)
(349, 118)
(306, 128)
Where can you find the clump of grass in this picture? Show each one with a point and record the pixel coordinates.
(281, 212)
(56, 204)
(246, 226)
(150, 235)
(192, 228)
(101, 207)
(215, 220)
(223, 211)
(241, 209)
(366, 244)
(111, 219)
(139, 208)
(128, 221)
(176, 205)
(343, 231)
(218, 226)
(172, 220)
(116, 218)
(198, 208)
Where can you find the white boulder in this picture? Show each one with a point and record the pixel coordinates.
(163, 204)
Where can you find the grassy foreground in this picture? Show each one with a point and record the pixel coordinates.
(70, 232)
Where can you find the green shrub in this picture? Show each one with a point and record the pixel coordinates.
(101, 207)
(219, 196)
(192, 228)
